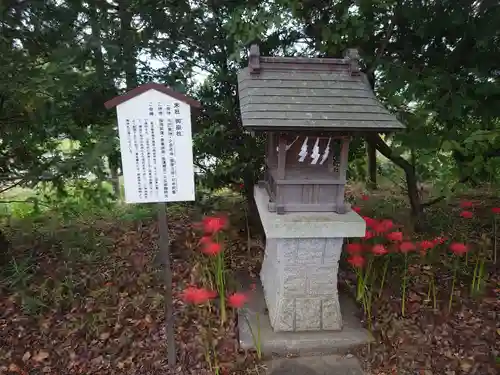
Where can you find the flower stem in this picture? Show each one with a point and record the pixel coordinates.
(455, 266)
(384, 272)
(494, 239)
(434, 302)
(480, 275)
(403, 300)
(474, 277)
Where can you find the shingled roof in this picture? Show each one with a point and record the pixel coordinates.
(309, 93)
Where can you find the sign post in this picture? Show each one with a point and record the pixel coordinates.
(154, 127)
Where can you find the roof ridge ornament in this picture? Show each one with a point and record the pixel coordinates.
(352, 55)
(254, 59)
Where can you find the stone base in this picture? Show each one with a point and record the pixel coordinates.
(304, 343)
(299, 272)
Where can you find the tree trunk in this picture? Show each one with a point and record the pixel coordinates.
(417, 208)
(127, 40)
(372, 164)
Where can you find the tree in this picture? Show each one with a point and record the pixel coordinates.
(430, 62)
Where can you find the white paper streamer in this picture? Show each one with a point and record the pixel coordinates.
(303, 150)
(326, 153)
(315, 152)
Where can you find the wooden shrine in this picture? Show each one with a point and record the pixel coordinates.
(309, 108)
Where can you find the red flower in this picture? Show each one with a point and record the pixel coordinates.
(237, 300)
(459, 248)
(354, 248)
(356, 209)
(466, 214)
(426, 245)
(466, 204)
(439, 240)
(369, 221)
(242, 186)
(379, 250)
(253, 287)
(368, 235)
(356, 261)
(205, 240)
(383, 226)
(197, 295)
(364, 197)
(495, 210)
(394, 236)
(211, 248)
(213, 224)
(406, 247)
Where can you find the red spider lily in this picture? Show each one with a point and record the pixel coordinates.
(356, 209)
(211, 248)
(379, 250)
(197, 295)
(466, 214)
(394, 236)
(354, 248)
(383, 226)
(459, 248)
(364, 197)
(253, 287)
(356, 261)
(237, 300)
(369, 221)
(406, 247)
(242, 186)
(425, 245)
(495, 210)
(466, 204)
(368, 235)
(205, 240)
(214, 224)
(439, 240)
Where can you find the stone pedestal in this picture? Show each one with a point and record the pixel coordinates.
(299, 273)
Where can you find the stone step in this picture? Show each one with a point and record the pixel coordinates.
(316, 365)
(254, 315)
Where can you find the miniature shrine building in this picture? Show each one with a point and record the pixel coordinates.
(309, 108)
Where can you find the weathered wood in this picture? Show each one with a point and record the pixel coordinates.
(324, 124)
(292, 92)
(304, 67)
(331, 116)
(327, 100)
(293, 84)
(280, 173)
(297, 75)
(308, 100)
(341, 108)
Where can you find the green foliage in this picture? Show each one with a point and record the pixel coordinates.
(432, 63)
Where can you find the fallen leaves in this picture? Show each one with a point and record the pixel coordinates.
(41, 356)
(113, 323)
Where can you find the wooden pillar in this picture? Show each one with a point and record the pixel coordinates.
(280, 204)
(344, 160)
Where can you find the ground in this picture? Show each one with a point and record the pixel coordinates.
(81, 294)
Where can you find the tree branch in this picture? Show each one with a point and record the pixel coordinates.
(383, 46)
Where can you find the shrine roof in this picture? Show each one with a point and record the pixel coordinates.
(310, 93)
(151, 86)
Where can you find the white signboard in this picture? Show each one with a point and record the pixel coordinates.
(156, 148)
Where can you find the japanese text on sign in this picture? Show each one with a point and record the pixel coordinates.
(156, 149)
